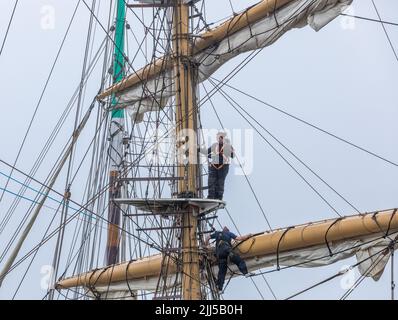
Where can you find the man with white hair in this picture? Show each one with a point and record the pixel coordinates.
(220, 155)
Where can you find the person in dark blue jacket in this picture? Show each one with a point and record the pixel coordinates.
(224, 252)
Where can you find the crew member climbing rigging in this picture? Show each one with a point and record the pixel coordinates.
(224, 254)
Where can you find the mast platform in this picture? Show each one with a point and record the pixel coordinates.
(167, 205)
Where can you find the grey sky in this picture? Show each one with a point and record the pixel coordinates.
(343, 80)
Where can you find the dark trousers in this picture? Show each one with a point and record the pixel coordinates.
(223, 266)
(216, 181)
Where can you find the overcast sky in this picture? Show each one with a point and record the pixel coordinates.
(342, 78)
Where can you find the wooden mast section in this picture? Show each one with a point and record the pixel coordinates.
(186, 129)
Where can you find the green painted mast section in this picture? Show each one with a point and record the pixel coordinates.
(119, 60)
(116, 144)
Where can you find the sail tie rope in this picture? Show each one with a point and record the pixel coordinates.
(229, 28)
(326, 234)
(251, 245)
(374, 217)
(274, 14)
(91, 287)
(279, 242)
(389, 223)
(249, 24)
(133, 295)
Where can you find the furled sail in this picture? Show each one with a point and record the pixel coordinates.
(369, 237)
(259, 26)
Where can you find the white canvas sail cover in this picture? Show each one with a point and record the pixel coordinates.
(153, 94)
(371, 254)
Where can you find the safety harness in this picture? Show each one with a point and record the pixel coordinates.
(219, 151)
(222, 242)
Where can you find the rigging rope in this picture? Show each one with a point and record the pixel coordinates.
(309, 124)
(232, 103)
(68, 184)
(363, 276)
(241, 166)
(385, 31)
(340, 273)
(369, 19)
(146, 90)
(43, 92)
(251, 55)
(50, 181)
(90, 66)
(8, 27)
(30, 188)
(392, 273)
(82, 207)
(48, 143)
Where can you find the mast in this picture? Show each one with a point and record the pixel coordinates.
(186, 129)
(116, 136)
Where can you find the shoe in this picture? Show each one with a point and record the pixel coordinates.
(249, 274)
